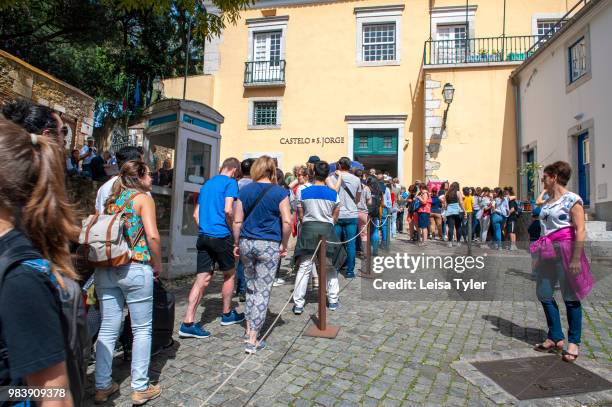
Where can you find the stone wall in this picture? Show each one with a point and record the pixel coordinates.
(433, 128)
(82, 194)
(19, 80)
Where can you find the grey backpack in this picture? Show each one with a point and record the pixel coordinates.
(103, 239)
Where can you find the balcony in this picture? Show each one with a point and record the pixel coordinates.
(264, 73)
(479, 50)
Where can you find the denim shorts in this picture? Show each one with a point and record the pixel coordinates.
(423, 220)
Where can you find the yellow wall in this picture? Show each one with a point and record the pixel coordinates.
(480, 144)
(199, 88)
(324, 83)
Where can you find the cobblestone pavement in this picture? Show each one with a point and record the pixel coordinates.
(387, 353)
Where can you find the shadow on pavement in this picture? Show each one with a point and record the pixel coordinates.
(512, 330)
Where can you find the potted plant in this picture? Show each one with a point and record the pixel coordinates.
(482, 53)
(532, 171)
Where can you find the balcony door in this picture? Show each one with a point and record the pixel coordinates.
(267, 56)
(451, 48)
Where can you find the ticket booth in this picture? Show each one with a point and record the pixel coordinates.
(182, 140)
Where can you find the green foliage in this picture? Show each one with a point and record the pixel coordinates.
(532, 170)
(106, 47)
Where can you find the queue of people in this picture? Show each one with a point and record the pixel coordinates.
(246, 215)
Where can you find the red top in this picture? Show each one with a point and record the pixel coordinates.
(392, 198)
(425, 206)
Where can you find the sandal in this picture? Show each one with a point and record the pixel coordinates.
(553, 348)
(565, 354)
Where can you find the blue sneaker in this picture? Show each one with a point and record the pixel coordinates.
(333, 306)
(350, 274)
(251, 349)
(193, 331)
(298, 310)
(232, 318)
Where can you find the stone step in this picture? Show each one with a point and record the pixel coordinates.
(599, 250)
(597, 226)
(599, 236)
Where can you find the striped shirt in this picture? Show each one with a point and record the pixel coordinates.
(318, 202)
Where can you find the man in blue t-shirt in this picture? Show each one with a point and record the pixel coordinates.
(214, 216)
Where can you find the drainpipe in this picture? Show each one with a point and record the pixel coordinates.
(516, 85)
(467, 29)
(504, 34)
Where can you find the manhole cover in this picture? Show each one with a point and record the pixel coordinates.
(542, 376)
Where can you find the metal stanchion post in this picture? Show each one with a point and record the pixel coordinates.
(366, 264)
(321, 330)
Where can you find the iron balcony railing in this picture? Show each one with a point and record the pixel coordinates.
(478, 50)
(264, 72)
(558, 25)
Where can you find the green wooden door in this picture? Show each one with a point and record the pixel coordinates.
(375, 142)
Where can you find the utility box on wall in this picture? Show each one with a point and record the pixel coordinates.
(192, 130)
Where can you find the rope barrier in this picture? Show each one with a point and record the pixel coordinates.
(359, 233)
(285, 306)
(264, 335)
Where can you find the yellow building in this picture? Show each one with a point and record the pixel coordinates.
(364, 79)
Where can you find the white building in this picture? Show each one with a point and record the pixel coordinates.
(564, 104)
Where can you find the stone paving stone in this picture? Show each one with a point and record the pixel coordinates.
(412, 353)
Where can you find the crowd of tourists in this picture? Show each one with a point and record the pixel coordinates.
(246, 216)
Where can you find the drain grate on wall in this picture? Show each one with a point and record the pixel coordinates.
(541, 376)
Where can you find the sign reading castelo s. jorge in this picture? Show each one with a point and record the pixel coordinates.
(319, 141)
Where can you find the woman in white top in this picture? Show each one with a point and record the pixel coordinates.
(563, 209)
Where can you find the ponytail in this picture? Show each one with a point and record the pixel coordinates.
(33, 189)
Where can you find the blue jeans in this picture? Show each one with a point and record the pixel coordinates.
(498, 221)
(548, 273)
(240, 279)
(131, 283)
(385, 222)
(375, 236)
(347, 229)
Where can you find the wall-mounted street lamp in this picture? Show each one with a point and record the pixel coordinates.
(448, 92)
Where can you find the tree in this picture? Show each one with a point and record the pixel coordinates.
(113, 49)
(209, 20)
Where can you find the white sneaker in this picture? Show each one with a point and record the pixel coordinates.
(278, 282)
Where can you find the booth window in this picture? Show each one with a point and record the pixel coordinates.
(197, 166)
(189, 227)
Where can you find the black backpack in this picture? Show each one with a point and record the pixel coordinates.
(74, 322)
(377, 198)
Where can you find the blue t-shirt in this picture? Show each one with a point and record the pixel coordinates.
(264, 222)
(212, 205)
(435, 204)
